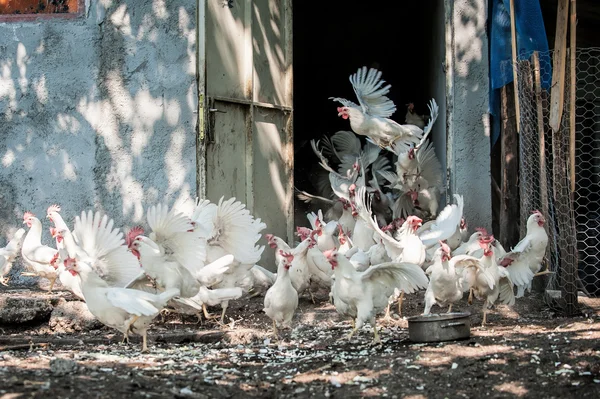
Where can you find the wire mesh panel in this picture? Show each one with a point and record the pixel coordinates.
(568, 196)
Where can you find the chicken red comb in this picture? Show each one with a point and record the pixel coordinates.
(53, 208)
(28, 215)
(133, 232)
(287, 255)
(414, 219)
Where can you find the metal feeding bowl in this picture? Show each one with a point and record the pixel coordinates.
(439, 327)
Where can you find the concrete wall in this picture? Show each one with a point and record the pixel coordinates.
(98, 112)
(468, 150)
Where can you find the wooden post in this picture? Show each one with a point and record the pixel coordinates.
(541, 134)
(513, 38)
(573, 95)
(509, 166)
(558, 66)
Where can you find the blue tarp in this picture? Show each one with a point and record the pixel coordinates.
(531, 36)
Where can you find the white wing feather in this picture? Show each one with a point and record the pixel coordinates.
(236, 231)
(445, 224)
(105, 250)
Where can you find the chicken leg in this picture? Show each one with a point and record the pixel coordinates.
(354, 328)
(144, 341)
(52, 281)
(275, 331)
(470, 300)
(376, 339)
(400, 300)
(484, 316)
(449, 309)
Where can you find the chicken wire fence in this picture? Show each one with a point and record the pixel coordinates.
(569, 197)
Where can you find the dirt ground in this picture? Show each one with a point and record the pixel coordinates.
(526, 351)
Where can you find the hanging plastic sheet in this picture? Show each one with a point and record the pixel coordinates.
(531, 36)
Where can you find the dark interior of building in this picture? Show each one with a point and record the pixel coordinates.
(331, 41)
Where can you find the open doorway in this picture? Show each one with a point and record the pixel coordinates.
(404, 40)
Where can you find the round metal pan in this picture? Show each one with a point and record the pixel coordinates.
(439, 327)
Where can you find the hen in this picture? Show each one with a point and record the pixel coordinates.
(124, 309)
(38, 257)
(371, 116)
(524, 261)
(9, 253)
(489, 282)
(281, 300)
(362, 295)
(445, 281)
(412, 117)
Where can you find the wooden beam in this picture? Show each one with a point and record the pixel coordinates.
(541, 134)
(509, 166)
(558, 65)
(573, 92)
(513, 38)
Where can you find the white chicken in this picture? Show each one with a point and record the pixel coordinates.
(412, 117)
(37, 256)
(281, 300)
(446, 227)
(362, 295)
(524, 261)
(489, 282)
(167, 274)
(124, 309)
(371, 116)
(9, 253)
(231, 230)
(445, 281)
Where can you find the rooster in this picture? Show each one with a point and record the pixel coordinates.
(124, 309)
(524, 261)
(371, 116)
(281, 300)
(9, 253)
(362, 295)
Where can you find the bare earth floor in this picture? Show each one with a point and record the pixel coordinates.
(526, 351)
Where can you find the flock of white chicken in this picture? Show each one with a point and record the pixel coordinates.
(368, 248)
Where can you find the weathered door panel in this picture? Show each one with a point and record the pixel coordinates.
(226, 151)
(246, 109)
(272, 173)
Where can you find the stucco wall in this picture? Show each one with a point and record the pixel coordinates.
(468, 150)
(98, 112)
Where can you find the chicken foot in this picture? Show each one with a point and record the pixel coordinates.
(387, 316)
(4, 281)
